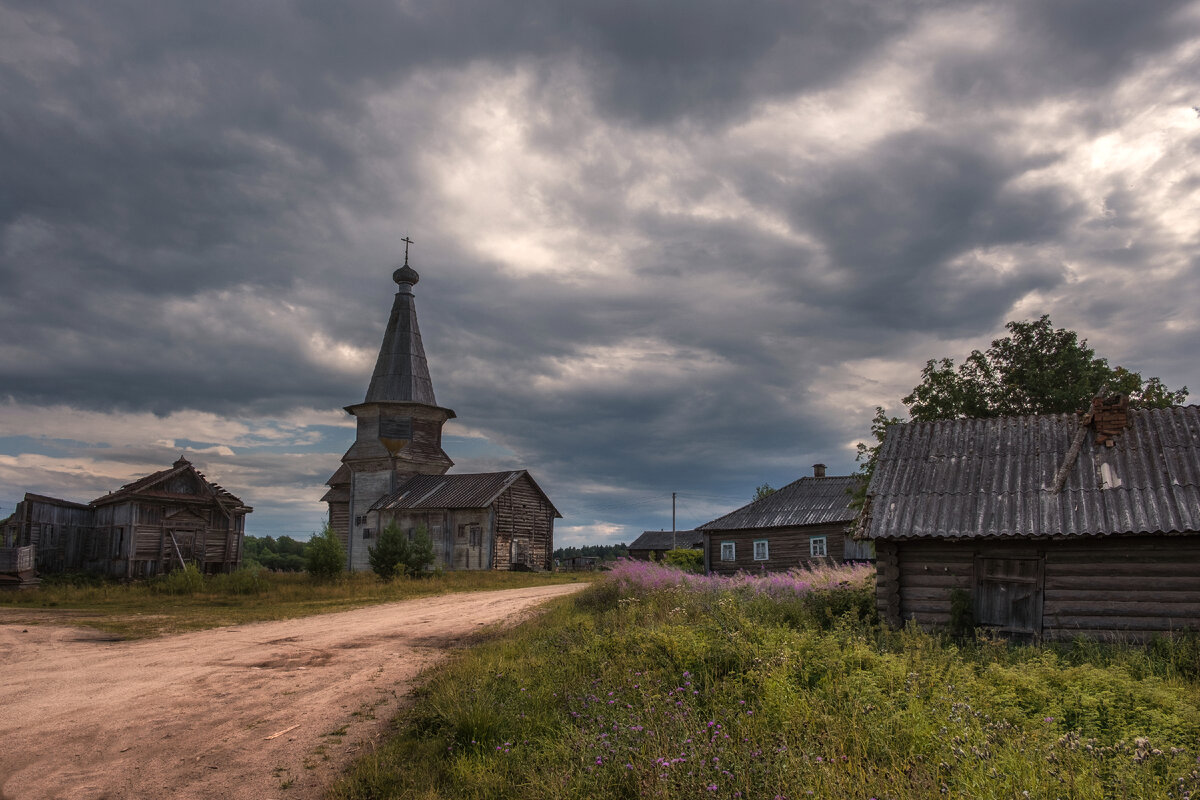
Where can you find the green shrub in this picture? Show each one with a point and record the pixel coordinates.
(180, 581)
(685, 559)
(326, 558)
(390, 553)
(397, 553)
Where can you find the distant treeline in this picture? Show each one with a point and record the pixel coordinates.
(606, 552)
(284, 554)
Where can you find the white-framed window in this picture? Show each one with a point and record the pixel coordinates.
(817, 547)
(728, 551)
(760, 550)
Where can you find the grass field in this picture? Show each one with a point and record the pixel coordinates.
(650, 684)
(184, 602)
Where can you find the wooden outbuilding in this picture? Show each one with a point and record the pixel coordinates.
(147, 527)
(396, 469)
(801, 524)
(1041, 526)
(653, 545)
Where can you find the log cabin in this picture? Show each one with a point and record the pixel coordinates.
(653, 545)
(802, 524)
(396, 469)
(1041, 527)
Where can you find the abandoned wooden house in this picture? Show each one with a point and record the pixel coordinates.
(396, 470)
(653, 545)
(801, 524)
(152, 525)
(1042, 526)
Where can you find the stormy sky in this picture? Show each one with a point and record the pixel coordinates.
(664, 246)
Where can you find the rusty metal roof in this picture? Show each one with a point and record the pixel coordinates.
(665, 540)
(994, 477)
(808, 501)
(467, 490)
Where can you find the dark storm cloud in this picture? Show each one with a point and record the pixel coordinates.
(896, 221)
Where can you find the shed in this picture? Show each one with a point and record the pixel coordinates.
(1048, 526)
(801, 524)
(171, 517)
(485, 520)
(653, 545)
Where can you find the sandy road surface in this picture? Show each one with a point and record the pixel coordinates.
(199, 715)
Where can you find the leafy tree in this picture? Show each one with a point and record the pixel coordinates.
(326, 558)
(605, 552)
(1036, 369)
(763, 491)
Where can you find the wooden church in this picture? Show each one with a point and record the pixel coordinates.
(396, 470)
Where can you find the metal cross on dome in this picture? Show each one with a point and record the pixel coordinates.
(407, 241)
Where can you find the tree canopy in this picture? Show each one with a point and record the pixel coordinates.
(1036, 369)
(766, 490)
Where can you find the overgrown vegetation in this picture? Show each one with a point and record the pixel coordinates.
(686, 559)
(654, 683)
(186, 600)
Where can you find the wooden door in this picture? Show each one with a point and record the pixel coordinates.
(1008, 594)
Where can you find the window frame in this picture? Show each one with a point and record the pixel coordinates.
(812, 547)
(766, 550)
(732, 551)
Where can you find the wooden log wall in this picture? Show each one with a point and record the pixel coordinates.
(1128, 588)
(787, 548)
(524, 516)
(1120, 588)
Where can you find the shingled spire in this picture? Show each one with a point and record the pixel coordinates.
(401, 371)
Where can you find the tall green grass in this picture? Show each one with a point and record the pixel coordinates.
(688, 688)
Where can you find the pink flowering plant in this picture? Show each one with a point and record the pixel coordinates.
(656, 683)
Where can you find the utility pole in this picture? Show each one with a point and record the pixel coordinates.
(674, 544)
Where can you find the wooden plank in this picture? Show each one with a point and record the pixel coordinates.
(931, 579)
(1121, 583)
(1064, 621)
(1148, 592)
(1129, 567)
(1126, 609)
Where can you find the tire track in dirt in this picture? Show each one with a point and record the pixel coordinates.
(263, 710)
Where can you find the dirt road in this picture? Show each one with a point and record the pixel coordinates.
(267, 710)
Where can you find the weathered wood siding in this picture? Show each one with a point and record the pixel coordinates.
(524, 528)
(786, 548)
(1111, 587)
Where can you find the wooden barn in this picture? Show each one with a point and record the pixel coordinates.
(489, 520)
(478, 521)
(1042, 526)
(803, 523)
(653, 545)
(146, 527)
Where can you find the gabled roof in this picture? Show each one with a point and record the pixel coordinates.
(808, 501)
(467, 490)
(665, 540)
(152, 486)
(995, 478)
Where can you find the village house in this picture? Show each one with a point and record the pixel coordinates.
(1043, 526)
(147, 527)
(653, 545)
(801, 524)
(396, 470)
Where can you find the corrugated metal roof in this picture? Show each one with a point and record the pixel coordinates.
(993, 477)
(467, 490)
(808, 501)
(665, 540)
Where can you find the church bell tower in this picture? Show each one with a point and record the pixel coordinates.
(399, 427)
